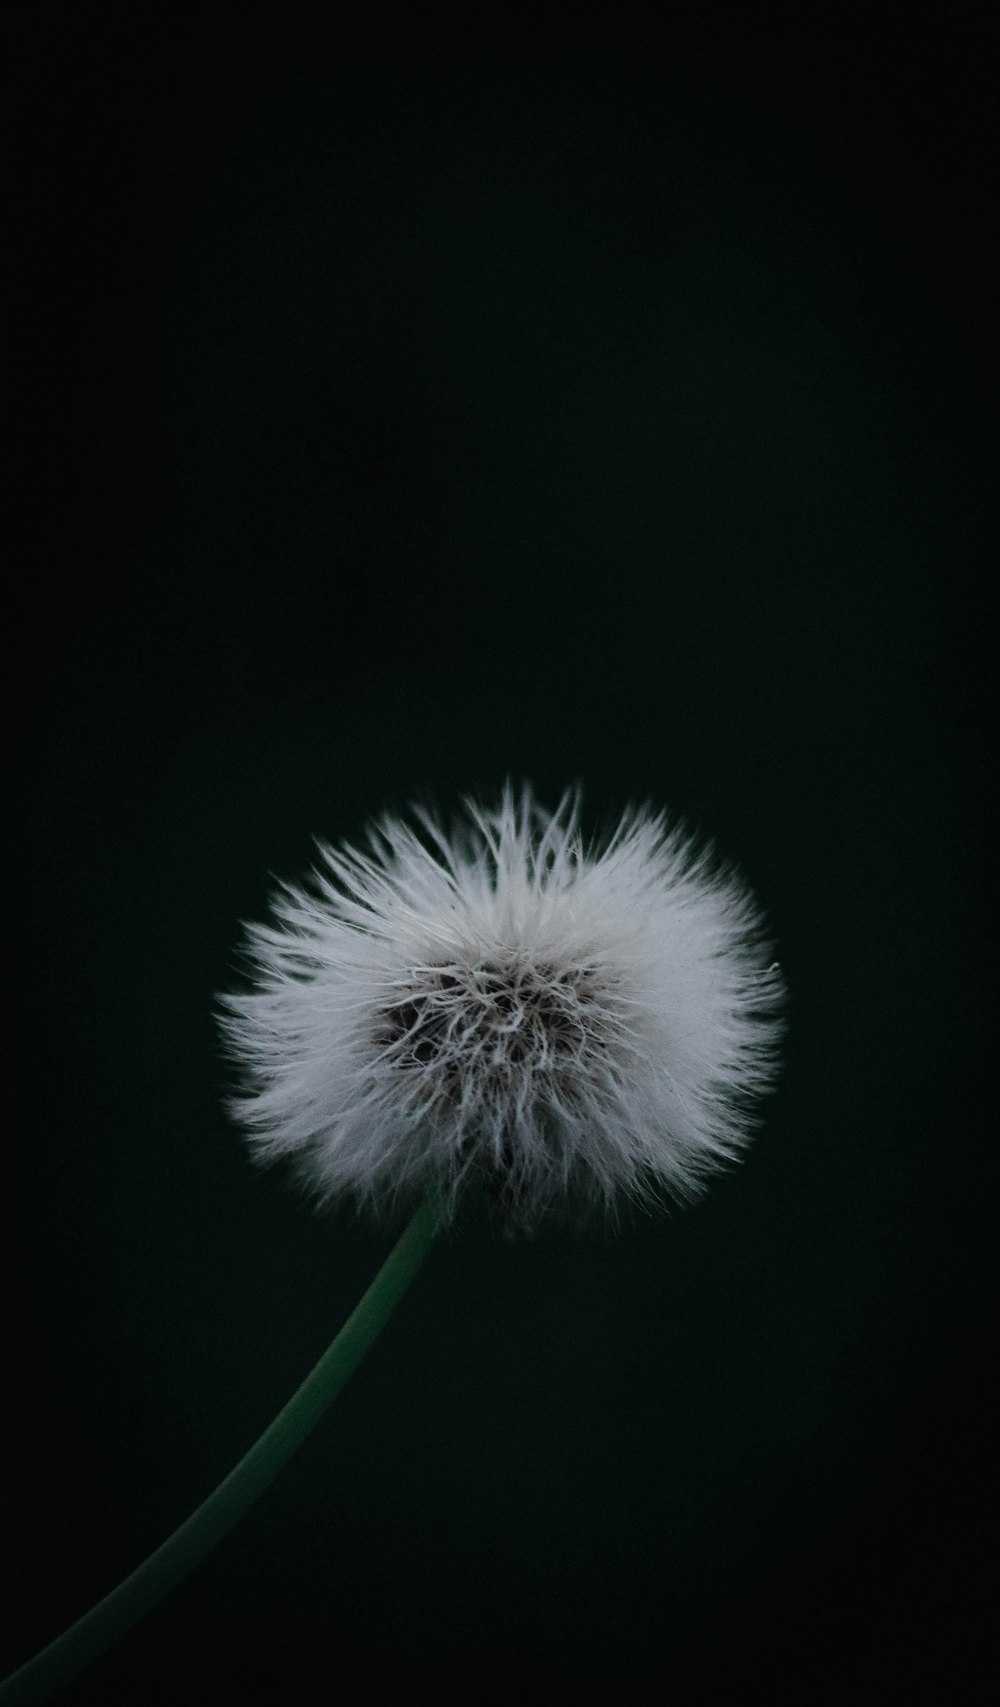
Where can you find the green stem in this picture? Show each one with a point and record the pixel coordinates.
(92, 1634)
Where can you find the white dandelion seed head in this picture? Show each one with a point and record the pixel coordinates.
(571, 1025)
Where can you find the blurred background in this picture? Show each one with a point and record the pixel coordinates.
(400, 408)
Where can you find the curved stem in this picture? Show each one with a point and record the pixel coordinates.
(99, 1628)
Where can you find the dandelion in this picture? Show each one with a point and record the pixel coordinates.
(572, 1027)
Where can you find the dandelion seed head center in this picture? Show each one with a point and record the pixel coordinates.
(478, 1018)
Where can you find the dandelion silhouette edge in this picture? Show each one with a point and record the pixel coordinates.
(574, 1025)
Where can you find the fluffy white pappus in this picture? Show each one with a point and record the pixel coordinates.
(573, 1026)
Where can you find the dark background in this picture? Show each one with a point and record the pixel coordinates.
(400, 408)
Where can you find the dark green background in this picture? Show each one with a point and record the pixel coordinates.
(403, 411)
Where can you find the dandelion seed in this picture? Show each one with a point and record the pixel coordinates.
(571, 1026)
